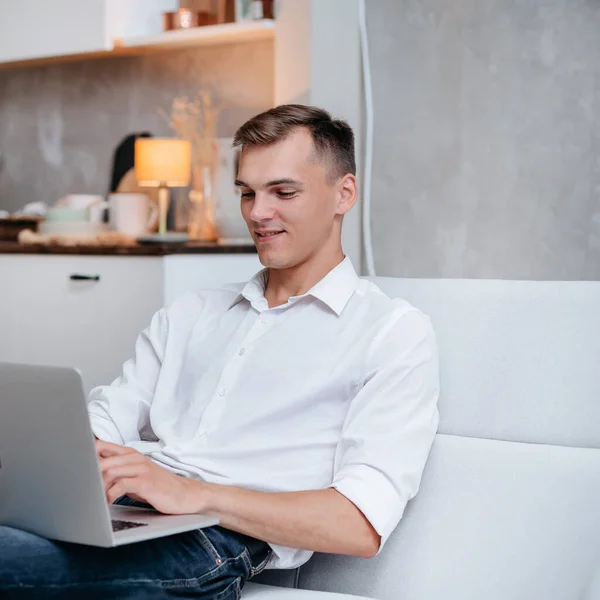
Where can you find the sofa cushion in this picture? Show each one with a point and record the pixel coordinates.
(494, 520)
(255, 591)
(516, 357)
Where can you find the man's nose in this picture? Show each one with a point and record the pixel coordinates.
(262, 208)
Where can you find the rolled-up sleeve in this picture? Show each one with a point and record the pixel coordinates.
(390, 426)
(120, 411)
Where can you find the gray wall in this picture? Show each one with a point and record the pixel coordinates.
(487, 134)
(59, 124)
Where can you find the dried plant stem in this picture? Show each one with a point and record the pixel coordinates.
(196, 121)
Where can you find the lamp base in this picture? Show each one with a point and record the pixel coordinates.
(170, 237)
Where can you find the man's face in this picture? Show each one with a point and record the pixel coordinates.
(287, 201)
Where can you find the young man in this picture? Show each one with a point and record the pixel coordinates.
(300, 408)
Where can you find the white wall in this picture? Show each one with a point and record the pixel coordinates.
(317, 62)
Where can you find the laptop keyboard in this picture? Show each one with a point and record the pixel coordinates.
(118, 525)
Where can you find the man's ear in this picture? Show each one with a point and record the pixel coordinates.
(347, 194)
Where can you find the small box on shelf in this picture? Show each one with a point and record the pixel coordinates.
(206, 12)
(210, 12)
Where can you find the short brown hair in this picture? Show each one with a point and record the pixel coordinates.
(333, 138)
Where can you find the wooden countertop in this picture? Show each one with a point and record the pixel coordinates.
(133, 250)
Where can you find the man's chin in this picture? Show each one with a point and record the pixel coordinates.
(272, 260)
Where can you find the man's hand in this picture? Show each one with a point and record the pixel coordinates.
(127, 471)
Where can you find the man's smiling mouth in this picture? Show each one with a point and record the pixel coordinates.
(268, 234)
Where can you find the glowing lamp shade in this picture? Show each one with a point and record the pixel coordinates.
(162, 163)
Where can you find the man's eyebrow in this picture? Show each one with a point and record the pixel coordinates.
(284, 181)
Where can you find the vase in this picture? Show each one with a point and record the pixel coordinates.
(201, 206)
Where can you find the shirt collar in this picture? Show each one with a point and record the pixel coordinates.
(254, 290)
(337, 287)
(334, 290)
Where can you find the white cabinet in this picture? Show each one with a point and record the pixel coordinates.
(32, 29)
(37, 28)
(48, 316)
(185, 272)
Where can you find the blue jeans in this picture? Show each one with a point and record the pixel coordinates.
(212, 563)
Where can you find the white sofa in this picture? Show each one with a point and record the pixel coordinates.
(509, 506)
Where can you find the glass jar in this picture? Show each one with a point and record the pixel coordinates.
(201, 205)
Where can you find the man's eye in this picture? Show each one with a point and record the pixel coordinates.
(286, 194)
(247, 194)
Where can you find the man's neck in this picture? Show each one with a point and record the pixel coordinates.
(282, 284)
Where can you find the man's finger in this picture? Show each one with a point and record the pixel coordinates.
(135, 497)
(127, 471)
(109, 449)
(122, 486)
(117, 460)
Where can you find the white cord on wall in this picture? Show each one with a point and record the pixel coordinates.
(368, 166)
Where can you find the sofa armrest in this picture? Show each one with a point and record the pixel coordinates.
(257, 591)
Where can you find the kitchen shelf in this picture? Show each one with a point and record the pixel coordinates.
(208, 35)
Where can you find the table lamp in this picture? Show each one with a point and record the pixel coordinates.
(163, 163)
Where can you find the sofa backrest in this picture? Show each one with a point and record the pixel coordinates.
(519, 360)
(509, 497)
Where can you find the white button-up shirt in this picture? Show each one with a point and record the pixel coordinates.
(336, 388)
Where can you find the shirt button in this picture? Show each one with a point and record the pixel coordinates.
(242, 352)
(222, 392)
(202, 434)
(263, 320)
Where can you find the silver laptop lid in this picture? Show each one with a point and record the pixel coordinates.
(50, 481)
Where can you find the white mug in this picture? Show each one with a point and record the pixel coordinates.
(132, 214)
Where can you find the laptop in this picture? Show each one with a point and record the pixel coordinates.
(50, 479)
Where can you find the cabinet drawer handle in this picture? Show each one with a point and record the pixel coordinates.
(78, 277)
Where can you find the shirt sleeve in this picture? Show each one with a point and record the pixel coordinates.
(390, 426)
(119, 411)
